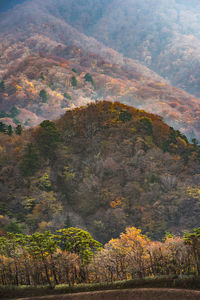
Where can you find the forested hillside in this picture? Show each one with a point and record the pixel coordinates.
(102, 167)
(44, 61)
(164, 34)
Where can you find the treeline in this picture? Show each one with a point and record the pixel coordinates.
(72, 256)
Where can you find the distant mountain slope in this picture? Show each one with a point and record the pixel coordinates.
(39, 50)
(102, 167)
(163, 34)
(5, 4)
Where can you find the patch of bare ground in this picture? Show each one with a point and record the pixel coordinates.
(136, 294)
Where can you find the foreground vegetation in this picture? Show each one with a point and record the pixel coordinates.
(72, 256)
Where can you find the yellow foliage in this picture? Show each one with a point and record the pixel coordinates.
(107, 65)
(56, 94)
(68, 174)
(181, 141)
(159, 84)
(130, 241)
(112, 107)
(30, 84)
(19, 88)
(193, 192)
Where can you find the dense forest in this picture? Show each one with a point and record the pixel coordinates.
(102, 167)
(72, 256)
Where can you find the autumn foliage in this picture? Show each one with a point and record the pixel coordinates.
(71, 256)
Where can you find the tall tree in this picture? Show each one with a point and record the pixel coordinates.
(18, 129)
(43, 95)
(2, 86)
(30, 160)
(47, 138)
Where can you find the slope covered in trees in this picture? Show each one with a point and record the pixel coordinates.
(163, 35)
(102, 167)
(44, 61)
(47, 84)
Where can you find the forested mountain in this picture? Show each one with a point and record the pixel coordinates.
(102, 167)
(44, 61)
(99, 130)
(164, 34)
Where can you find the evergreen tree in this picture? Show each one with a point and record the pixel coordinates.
(2, 86)
(79, 241)
(10, 130)
(44, 96)
(18, 129)
(88, 77)
(47, 138)
(74, 81)
(3, 127)
(30, 160)
(66, 95)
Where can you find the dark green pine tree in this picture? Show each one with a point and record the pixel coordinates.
(10, 130)
(3, 127)
(47, 138)
(74, 81)
(44, 96)
(88, 77)
(18, 130)
(30, 160)
(2, 86)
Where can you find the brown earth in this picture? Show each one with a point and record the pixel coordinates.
(138, 294)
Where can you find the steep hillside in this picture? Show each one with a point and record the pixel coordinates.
(164, 34)
(101, 167)
(41, 53)
(61, 73)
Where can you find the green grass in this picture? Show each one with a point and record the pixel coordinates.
(14, 292)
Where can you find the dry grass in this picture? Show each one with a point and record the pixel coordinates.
(137, 294)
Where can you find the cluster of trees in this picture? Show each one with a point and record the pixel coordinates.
(13, 113)
(134, 255)
(46, 258)
(8, 129)
(73, 256)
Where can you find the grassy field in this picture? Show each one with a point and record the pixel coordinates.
(15, 292)
(131, 294)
